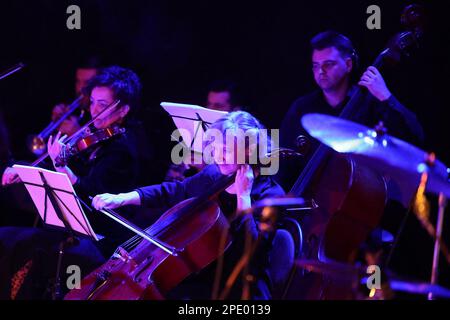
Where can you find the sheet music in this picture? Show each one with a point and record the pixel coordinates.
(194, 119)
(70, 206)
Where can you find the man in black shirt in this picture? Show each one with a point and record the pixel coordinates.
(333, 64)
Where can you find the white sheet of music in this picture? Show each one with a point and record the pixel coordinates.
(70, 206)
(190, 118)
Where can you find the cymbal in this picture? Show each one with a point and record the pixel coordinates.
(347, 272)
(420, 288)
(286, 202)
(380, 149)
(332, 268)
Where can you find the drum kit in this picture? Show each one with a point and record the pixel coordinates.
(389, 155)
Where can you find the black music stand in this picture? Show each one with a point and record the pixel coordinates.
(59, 207)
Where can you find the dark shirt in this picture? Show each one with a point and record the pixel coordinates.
(110, 168)
(398, 120)
(199, 286)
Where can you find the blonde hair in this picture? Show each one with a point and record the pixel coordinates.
(238, 122)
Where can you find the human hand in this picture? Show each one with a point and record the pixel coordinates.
(107, 201)
(55, 146)
(10, 176)
(374, 82)
(244, 180)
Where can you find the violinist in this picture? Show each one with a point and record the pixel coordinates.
(334, 64)
(248, 187)
(108, 166)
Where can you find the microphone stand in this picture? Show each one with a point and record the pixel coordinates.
(437, 242)
(70, 238)
(267, 225)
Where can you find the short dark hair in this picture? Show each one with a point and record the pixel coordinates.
(227, 86)
(123, 82)
(335, 39)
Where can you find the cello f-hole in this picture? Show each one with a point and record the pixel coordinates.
(142, 267)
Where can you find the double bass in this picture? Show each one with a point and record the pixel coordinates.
(351, 196)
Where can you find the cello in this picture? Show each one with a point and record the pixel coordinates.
(193, 230)
(183, 241)
(351, 197)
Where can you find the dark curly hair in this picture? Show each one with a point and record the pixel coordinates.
(124, 83)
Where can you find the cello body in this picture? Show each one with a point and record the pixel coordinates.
(147, 271)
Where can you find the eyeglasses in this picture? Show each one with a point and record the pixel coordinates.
(327, 65)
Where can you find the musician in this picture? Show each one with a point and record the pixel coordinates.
(110, 166)
(223, 95)
(334, 63)
(249, 186)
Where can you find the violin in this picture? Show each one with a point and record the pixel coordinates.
(81, 133)
(87, 141)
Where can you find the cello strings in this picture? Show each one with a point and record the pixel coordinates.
(167, 224)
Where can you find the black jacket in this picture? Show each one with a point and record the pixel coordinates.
(110, 168)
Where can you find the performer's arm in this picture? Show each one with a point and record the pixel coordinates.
(54, 147)
(391, 106)
(392, 110)
(113, 170)
(164, 195)
(243, 186)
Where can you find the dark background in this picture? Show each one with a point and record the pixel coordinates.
(178, 48)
